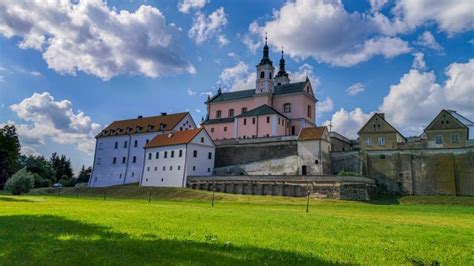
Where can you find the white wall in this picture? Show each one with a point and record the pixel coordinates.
(164, 172)
(200, 165)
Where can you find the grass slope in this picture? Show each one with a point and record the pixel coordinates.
(180, 227)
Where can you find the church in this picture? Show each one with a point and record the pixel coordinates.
(275, 107)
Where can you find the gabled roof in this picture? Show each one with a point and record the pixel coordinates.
(143, 124)
(175, 138)
(381, 116)
(312, 133)
(278, 90)
(261, 110)
(461, 119)
(219, 120)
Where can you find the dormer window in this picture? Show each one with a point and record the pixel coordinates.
(162, 126)
(287, 108)
(218, 114)
(150, 127)
(231, 112)
(129, 130)
(244, 110)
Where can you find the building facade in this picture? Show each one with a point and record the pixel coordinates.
(314, 145)
(339, 142)
(171, 158)
(275, 107)
(119, 153)
(449, 130)
(378, 134)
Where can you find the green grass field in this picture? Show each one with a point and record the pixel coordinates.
(179, 226)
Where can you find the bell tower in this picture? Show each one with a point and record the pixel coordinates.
(265, 72)
(282, 77)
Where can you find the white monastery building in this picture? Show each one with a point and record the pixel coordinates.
(171, 157)
(119, 152)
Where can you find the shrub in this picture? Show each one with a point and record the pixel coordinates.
(347, 173)
(21, 182)
(40, 181)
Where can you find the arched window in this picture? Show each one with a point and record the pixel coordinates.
(309, 111)
(270, 75)
(287, 108)
(262, 75)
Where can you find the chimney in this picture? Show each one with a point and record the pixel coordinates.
(163, 113)
(140, 117)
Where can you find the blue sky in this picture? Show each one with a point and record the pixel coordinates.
(69, 69)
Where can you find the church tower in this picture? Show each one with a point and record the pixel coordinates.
(282, 77)
(265, 72)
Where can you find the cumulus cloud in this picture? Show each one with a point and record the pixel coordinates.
(325, 106)
(222, 40)
(355, 89)
(348, 123)
(418, 61)
(56, 121)
(89, 36)
(247, 40)
(376, 5)
(427, 39)
(416, 99)
(184, 6)
(337, 37)
(191, 92)
(205, 28)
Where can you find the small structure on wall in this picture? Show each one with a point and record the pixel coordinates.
(170, 158)
(449, 129)
(378, 134)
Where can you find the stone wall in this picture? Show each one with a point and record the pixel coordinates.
(334, 187)
(415, 171)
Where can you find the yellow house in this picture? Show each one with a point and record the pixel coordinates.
(448, 130)
(378, 134)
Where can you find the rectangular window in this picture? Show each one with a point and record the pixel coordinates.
(149, 156)
(245, 121)
(287, 108)
(225, 129)
(231, 112)
(156, 168)
(100, 146)
(209, 156)
(171, 168)
(148, 168)
(172, 154)
(180, 153)
(268, 119)
(202, 140)
(157, 155)
(218, 114)
(244, 110)
(368, 141)
(124, 159)
(455, 138)
(98, 161)
(134, 160)
(114, 161)
(164, 168)
(195, 153)
(253, 120)
(166, 154)
(194, 168)
(179, 167)
(135, 144)
(439, 139)
(116, 145)
(212, 130)
(147, 141)
(208, 170)
(381, 141)
(125, 144)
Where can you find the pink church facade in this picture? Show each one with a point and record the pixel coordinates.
(275, 107)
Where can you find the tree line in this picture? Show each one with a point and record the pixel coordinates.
(42, 171)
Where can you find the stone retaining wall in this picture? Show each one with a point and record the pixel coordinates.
(333, 187)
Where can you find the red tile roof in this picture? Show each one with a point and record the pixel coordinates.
(311, 133)
(143, 125)
(175, 138)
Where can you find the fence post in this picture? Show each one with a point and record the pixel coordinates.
(213, 193)
(149, 196)
(105, 193)
(307, 200)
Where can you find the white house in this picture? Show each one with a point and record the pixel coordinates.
(170, 158)
(119, 152)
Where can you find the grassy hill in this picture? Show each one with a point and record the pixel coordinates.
(179, 226)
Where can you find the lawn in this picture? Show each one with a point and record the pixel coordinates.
(179, 226)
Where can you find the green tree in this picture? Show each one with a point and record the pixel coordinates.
(84, 174)
(62, 166)
(9, 153)
(41, 168)
(21, 182)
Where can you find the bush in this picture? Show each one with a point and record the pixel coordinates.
(41, 182)
(347, 173)
(21, 182)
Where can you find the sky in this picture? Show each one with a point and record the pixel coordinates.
(70, 68)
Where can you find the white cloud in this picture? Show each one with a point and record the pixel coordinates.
(191, 92)
(451, 16)
(427, 39)
(184, 6)
(417, 98)
(247, 40)
(305, 70)
(198, 110)
(376, 5)
(238, 77)
(348, 123)
(222, 40)
(56, 121)
(355, 89)
(325, 106)
(418, 61)
(205, 28)
(208, 93)
(336, 36)
(89, 36)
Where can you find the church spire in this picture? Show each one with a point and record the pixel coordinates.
(266, 57)
(282, 71)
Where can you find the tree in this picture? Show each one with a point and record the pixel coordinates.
(9, 153)
(84, 174)
(21, 182)
(41, 168)
(62, 166)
